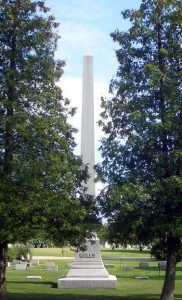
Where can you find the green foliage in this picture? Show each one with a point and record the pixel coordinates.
(41, 179)
(142, 151)
(102, 233)
(160, 248)
(22, 250)
(11, 255)
(17, 251)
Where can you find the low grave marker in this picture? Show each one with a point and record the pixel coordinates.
(128, 268)
(52, 268)
(21, 267)
(33, 277)
(144, 265)
(34, 262)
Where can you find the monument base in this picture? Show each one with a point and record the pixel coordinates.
(87, 283)
(88, 271)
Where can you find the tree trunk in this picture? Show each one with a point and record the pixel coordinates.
(3, 251)
(169, 282)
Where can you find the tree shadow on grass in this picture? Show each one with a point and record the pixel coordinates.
(76, 296)
(50, 283)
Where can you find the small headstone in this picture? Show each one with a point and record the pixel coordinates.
(109, 266)
(144, 265)
(16, 261)
(49, 264)
(21, 267)
(33, 277)
(52, 268)
(34, 262)
(128, 268)
(141, 277)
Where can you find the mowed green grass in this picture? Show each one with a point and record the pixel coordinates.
(128, 288)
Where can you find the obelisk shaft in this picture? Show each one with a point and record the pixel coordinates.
(87, 124)
(87, 270)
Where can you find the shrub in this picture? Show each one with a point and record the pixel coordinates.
(17, 252)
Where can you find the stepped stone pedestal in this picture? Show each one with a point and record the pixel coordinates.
(87, 270)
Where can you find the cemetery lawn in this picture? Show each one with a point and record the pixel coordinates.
(128, 288)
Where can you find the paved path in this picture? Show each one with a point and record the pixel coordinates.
(52, 258)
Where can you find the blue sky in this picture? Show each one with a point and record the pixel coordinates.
(86, 26)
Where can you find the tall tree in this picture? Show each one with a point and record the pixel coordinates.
(41, 178)
(142, 151)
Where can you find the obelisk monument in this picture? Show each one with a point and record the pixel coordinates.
(87, 270)
(87, 122)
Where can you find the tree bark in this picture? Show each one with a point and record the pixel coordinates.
(169, 282)
(3, 251)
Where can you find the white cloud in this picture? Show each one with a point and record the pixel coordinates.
(81, 35)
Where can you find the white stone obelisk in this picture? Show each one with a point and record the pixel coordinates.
(87, 270)
(87, 122)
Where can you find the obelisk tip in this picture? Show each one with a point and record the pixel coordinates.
(88, 53)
